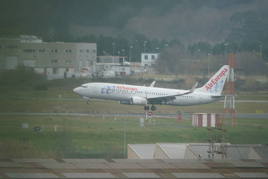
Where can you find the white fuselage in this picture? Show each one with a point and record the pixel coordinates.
(124, 93)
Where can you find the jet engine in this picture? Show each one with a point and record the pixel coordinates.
(138, 100)
(135, 100)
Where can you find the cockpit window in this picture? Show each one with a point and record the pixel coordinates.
(84, 86)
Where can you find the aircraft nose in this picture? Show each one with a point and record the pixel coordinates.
(76, 90)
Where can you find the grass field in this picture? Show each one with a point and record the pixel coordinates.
(104, 137)
(98, 137)
(64, 100)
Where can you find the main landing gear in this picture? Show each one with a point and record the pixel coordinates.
(147, 108)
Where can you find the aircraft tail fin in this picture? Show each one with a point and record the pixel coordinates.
(216, 83)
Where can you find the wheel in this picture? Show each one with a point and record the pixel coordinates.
(153, 108)
(146, 108)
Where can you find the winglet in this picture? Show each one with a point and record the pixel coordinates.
(189, 91)
(194, 87)
(152, 84)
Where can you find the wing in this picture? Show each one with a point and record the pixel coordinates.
(161, 99)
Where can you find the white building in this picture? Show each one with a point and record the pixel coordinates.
(53, 59)
(114, 66)
(197, 151)
(112, 59)
(110, 70)
(148, 59)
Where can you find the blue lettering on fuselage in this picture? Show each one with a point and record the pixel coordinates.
(107, 90)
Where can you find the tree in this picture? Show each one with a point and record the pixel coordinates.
(172, 60)
(250, 31)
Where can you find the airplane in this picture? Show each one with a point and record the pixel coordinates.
(151, 95)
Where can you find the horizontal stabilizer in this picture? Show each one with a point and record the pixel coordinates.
(217, 97)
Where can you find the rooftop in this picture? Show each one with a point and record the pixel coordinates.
(132, 168)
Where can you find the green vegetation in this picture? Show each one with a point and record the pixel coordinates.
(98, 137)
(64, 100)
(104, 137)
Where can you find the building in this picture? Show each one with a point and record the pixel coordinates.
(206, 120)
(115, 66)
(220, 151)
(110, 70)
(131, 168)
(54, 59)
(112, 59)
(148, 59)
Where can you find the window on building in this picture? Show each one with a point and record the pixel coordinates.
(146, 57)
(68, 61)
(54, 61)
(54, 70)
(153, 57)
(68, 50)
(29, 50)
(12, 46)
(87, 50)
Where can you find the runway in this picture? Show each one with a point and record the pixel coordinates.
(80, 99)
(138, 115)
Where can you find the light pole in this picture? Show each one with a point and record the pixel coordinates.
(113, 44)
(130, 48)
(124, 139)
(129, 56)
(208, 63)
(144, 45)
(226, 49)
(261, 50)
(123, 55)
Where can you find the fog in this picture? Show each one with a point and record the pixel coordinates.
(188, 21)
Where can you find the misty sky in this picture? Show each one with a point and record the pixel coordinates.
(186, 20)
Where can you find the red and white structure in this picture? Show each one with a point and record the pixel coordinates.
(206, 120)
(229, 101)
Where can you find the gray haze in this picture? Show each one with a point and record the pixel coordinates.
(206, 22)
(186, 20)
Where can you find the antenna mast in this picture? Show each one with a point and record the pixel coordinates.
(229, 101)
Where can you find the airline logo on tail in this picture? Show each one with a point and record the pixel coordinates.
(215, 80)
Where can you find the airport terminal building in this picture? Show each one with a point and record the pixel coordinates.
(56, 60)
